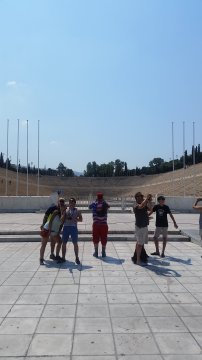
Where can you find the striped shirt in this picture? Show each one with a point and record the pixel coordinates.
(99, 209)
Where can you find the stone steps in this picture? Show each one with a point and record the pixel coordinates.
(82, 232)
(86, 237)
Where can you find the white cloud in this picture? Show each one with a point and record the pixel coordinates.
(11, 83)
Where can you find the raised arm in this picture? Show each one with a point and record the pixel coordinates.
(145, 202)
(150, 212)
(79, 216)
(196, 206)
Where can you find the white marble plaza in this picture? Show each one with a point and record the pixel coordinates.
(106, 309)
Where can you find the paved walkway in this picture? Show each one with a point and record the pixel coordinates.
(106, 309)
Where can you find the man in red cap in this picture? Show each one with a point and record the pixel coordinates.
(100, 228)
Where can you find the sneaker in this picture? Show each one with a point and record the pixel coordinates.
(162, 255)
(41, 261)
(58, 257)
(155, 253)
(77, 261)
(52, 257)
(104, 253)
(95, 254)
(61, 261)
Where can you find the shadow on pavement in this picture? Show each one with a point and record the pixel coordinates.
(182, 261)
(112, 260)
(69, 265)
(163, 271)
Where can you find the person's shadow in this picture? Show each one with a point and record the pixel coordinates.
(112, 260)
(156, 266)
(182, 261)
(167, 272)
(155, 261)
(69, 265)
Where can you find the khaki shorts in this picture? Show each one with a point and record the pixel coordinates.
(161, 231)
(141, 235)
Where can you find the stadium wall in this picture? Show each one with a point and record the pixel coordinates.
(37, 203)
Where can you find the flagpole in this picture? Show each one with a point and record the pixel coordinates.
(194, 162)
(7, 158)
(38, 161)
(173, 156)
(27, 160)
(184, 164)
(17, 159)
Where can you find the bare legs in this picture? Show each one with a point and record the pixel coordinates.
(55, 240)
(156, 242)
(76, 250)
(43, 247)
(138, 251)
(164, 246)
(64, 249)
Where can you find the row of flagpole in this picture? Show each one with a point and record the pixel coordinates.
(17, 161)
(38, 158)
(184, 162)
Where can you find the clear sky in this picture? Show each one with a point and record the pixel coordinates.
(106, 79)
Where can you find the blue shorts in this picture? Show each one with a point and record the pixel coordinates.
(70, 231)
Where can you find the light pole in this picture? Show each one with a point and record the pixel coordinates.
(173, 156)
(27, 159)
(184, 161)
(194, 161)
(38, 162)
(7, 158)
(17, 158)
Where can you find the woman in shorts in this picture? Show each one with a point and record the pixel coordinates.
(52, 230)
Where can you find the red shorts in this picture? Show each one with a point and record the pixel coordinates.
(100, 232)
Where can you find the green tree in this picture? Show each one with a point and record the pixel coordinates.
(156, 162)
(61, 169)
(119, 167)
(110, 168)
(125, 169)
(1, 160)
(95, 168)
(68, 173)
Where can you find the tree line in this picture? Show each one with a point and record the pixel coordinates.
(156, 166)
(113, 168)
(61, 170)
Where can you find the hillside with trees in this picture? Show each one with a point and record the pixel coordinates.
(112, 168)
(156, 166)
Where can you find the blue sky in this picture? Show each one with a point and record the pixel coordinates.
(106, 78)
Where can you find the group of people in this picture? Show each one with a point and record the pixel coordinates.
(143, 210)
(62, 219)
